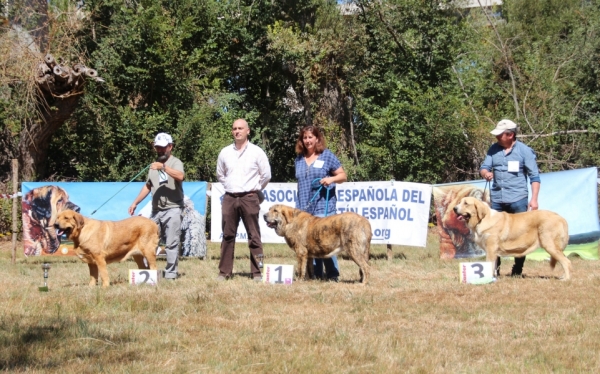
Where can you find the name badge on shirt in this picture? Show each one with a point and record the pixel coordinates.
(162, 177)
(318, 164)
(513, 166)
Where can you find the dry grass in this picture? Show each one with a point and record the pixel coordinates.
(413, 317)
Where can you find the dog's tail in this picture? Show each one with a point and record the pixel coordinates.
(368, 243)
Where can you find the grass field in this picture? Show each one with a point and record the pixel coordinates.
(413, 317)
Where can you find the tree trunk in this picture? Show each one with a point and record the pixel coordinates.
(36, 135)
(59, 87)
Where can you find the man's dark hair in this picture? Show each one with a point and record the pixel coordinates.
(514, 131)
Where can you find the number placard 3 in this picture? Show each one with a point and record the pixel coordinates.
(476, 272)
(278, 274)
(143, 276)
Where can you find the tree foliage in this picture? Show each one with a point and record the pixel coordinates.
(536, 65)
(404, 89)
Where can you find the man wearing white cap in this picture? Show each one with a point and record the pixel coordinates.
(508, 164)
(165, 179)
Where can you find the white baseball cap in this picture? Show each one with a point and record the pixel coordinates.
(504, 125)
(163, 139)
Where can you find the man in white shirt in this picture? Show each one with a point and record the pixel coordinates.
(244, 171)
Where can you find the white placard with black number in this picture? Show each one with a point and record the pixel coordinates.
(143, 276)
(476, 272)
(278, 274)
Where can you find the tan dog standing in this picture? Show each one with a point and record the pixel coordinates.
(315, 237)
(504, 234)
(101, 242)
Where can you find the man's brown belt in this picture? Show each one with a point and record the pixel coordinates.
(240, 194)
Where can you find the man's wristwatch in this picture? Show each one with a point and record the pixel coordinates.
(163, 168)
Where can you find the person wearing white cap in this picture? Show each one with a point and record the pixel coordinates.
(507, 165)
(165, 179)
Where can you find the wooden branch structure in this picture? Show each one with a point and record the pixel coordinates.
(60, 81)
(59, 87)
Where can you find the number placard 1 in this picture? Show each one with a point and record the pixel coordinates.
(477, 272)
(143, 276)
(278, 274)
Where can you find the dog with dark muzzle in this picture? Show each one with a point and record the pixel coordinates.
(99, 243)
(315, 237)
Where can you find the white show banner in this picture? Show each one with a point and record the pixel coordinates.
(398, 211)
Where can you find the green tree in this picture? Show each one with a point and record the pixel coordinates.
(408, 107)
(163, 66)
(535, 65)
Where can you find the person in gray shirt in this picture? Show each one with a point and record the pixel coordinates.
(507, 165)
(165, 179)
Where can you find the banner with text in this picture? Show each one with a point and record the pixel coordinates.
(398, 211)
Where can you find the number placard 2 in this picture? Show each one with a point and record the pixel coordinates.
(278, 274)
(143, 276)
(477, 272)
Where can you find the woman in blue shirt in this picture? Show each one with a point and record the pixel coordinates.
(318, 171)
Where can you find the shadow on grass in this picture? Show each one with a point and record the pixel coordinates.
(49, 259)
(383, 256)
(372, 256)
(525, 276)
(52, 343)
(22, 345)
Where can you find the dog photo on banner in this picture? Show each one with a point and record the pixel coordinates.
(572, 194)
(40, 207)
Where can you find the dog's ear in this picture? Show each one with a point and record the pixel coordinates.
(79, 219)
(288, 214)
(482, 210)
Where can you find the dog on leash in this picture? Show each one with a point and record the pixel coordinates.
(99, 243)
(504, 234)
(314, 237)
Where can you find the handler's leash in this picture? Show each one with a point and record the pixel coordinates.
(314, 184)
(138, 174)
(487, 183)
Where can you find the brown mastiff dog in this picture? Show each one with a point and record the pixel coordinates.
(315, 237)
(504, 234)
(101, 242)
